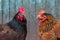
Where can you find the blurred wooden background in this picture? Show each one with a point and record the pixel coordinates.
(8, 8)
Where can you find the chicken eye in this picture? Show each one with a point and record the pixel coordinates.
(44, 16)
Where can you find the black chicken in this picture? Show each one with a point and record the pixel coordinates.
(16, 29)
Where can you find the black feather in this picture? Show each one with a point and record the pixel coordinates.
(18, 25)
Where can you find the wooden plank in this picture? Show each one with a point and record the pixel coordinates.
(12, 8)
(0, 12)
(57, 9)
(5, 11)
(31, 10)
(18, 4)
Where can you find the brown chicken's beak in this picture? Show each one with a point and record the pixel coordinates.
(38, 16)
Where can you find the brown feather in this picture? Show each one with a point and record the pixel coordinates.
(49, 29)
(7, 33)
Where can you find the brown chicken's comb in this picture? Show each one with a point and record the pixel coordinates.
(41, 12)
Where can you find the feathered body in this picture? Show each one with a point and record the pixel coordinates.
(16, 29)
(49, 29)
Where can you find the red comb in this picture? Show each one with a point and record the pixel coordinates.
(41, 12)
(21, 9)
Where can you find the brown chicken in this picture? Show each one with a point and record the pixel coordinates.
(16, 29)
(49, 27)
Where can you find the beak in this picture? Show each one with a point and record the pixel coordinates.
(38, 16)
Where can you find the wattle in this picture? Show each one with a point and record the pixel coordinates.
(42, 20)
(20, 18)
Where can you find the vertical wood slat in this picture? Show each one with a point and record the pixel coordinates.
(9, 9)
(5, 11)
(57, 9)
(36, 12)
(32, 21)
(0, 12)
(18, 4)
(12, 9)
